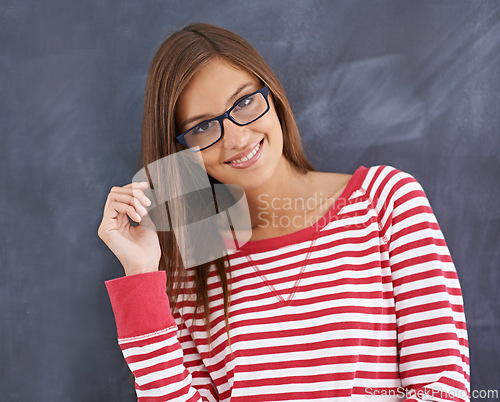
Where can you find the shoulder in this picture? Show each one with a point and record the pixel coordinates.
(384, 182)
(395, 195)
(381, 184)
(378, 182)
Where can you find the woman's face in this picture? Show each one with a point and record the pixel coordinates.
(214, 89)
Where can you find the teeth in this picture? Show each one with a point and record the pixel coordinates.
(249, 156)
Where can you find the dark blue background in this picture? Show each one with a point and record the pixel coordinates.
(413, 84)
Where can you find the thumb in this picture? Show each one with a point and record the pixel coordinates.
(147, 223)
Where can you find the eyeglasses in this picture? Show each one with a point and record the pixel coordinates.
(205, 134)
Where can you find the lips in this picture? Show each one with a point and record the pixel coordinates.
(250, 159)
(247, 153)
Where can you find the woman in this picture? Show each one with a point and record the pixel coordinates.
(352, 295)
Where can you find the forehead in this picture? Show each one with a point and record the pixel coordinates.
(211, 87)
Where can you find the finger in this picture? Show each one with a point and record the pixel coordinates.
(138, 190)
(147, 223)
(129, 200)
(117, 208)
(132, 191)
(138, 183)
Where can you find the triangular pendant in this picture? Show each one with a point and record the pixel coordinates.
(277, 280)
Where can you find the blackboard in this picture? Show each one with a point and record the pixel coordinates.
(413, 84)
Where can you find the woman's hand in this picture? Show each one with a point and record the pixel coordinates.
(137, 247)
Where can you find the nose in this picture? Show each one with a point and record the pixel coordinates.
(235, 137)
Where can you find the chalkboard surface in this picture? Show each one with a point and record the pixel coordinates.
(413, 84)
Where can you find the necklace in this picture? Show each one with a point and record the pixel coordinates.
(280, 293)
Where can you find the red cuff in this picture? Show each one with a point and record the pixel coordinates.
(140, 304)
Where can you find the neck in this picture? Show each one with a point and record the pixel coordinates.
(286, 184)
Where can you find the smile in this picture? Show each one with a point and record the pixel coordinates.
(249, 159)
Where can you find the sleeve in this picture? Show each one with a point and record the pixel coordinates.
(157, 347)
(432, 334)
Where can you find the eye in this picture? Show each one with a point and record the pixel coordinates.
(204, 127)
(245, 102)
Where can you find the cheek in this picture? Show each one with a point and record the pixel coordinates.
(210, 158)
(272, 127)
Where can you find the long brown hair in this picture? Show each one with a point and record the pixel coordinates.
(179, 57)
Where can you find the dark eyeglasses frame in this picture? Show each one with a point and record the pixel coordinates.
(226, 115)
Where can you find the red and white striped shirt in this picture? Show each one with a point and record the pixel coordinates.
(363, 304)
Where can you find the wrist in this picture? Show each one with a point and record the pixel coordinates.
(140, 270)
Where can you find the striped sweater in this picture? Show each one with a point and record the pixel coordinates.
(363, 304)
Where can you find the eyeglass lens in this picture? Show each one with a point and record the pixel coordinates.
(207, 133)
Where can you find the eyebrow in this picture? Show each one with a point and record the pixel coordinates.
(206, 116)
